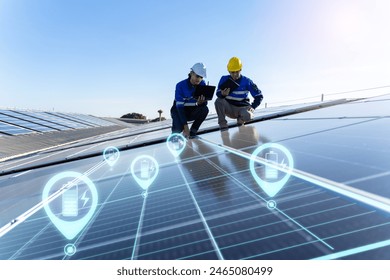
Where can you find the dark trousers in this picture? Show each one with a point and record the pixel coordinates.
(193, 113)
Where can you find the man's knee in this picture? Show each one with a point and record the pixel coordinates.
(204, 111)
(219, 103)
(246, 115)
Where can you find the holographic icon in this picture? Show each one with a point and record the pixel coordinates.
(271, 165)
(176, 143)
(144, 170)
(111, 155)
(71, 200)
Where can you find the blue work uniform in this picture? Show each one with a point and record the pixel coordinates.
(185, 108)
(239, 97)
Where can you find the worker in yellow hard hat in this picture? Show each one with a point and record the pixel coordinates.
(232, 96)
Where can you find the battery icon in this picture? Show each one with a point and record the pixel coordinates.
(70, 202)
(271, 172)
(145, 166)
(176, 143)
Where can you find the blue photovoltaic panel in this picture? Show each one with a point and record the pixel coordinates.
(93, 120)
(208, 204)
(31, 115)
(86, 119)
(28, 118)
(12, 129)
(24, 123)
(60, 121)
(69, 116)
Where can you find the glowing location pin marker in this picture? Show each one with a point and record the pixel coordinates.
(144, 170)
(111, 155)
(176, 143)
(72, 200)
(272, 179)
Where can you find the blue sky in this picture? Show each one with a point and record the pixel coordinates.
(109, 58)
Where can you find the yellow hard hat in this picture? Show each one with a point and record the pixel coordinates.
(234, 64)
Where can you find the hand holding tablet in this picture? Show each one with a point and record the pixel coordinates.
(206, 91)
(229, 83)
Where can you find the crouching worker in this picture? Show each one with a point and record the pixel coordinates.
(233, 101)
(185, 107)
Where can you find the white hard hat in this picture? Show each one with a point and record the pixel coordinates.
(199, 69)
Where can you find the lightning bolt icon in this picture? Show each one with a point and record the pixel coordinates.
(84, 198)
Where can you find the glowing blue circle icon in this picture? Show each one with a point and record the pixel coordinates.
(271, 204)
(70, 201)
(274, 166)
(70, 249)
(176, 143)
(111, 155)
(144, 170)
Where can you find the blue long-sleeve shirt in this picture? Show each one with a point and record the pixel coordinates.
(239, 97)
(183, 98)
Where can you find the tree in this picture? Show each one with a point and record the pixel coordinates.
(137, 116)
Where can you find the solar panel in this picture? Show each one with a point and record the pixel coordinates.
(213, 201)
(85, 119)
(59, 120)
(92, 119)
(71, 117)
(10, 129)
(32, 116)
(24, 123)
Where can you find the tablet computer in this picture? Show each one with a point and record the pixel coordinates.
(230, 83)
(206, 91)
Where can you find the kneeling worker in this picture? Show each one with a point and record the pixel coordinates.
(185, 107)
(235, 103)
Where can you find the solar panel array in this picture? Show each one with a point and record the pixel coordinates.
(208, 204)
(15, 122)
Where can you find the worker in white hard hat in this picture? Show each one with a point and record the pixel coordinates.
(234, 102)
(187, 108)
